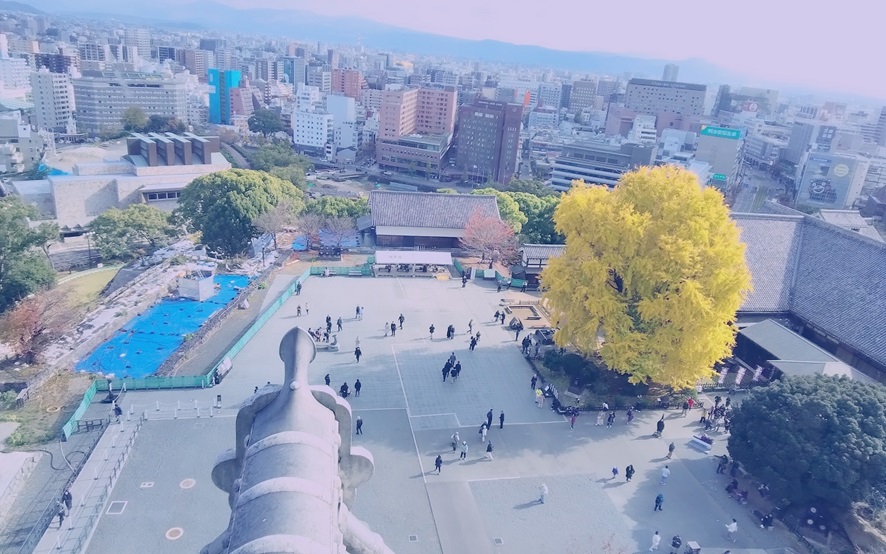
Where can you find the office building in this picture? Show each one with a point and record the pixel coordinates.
(415, 129)
(343, 110)
(313, 132)
(317, 77)
(349, 82)
(722, 149)
(21, 148)
(14, 73)
(124, 53)
(647, 96)
(599, 163)
(54, 105)
(763, 151)
(832, 181)
(221, 83)
(881, 128)
(154, 171)
(198, 62)
(140, 39)
(101, 97)
(549, 95)
(293, 71)
(56, 63)
(170, 53)
(607, 87)
(90, 52)
(746, 99)
(670, 72)
(488, 140)
(370, 98)
(582, 95)
(212, 44)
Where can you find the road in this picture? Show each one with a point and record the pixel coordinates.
(239, 160)
(758, 187)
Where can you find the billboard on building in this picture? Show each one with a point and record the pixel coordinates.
(826, 181)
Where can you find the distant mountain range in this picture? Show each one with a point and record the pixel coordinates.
(303, 25)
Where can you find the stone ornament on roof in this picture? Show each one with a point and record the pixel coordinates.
(292, 475)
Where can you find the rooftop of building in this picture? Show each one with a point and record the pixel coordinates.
(667, 84)
(830, 277)
(851, 220)
(433, 210)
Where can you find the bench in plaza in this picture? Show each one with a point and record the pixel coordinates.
(700, 444)
(90, 424)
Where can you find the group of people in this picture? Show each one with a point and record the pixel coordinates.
(718, 415)
(344, 390)
(452, 368)
(392, 326)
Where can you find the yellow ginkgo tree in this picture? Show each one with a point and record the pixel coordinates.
(651, 277)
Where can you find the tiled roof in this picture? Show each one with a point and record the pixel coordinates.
(772, 243)
(421, 209)
(542, 251)
(833, 278)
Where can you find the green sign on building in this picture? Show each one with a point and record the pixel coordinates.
(722, 132)
(719, 177)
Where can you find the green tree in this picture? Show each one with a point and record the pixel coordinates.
(814, 439)
(295, 174)
(265, 121)
(134, 119)
(338, 206)
(447, 191)
(278, 155)
(507, 208)
(654, 268)
(164, 124)
(135, 231)
(539, 211)
(532, 186)
(224, 204)
(23, 268)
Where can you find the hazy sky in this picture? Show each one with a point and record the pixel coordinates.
(827, 44)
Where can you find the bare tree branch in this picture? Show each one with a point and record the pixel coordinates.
(491, 238)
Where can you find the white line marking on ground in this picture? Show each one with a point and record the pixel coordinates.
(409, 415)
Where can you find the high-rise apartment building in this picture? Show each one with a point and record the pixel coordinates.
(101, 97)
(343, 110)
(721, 147)
(53, 95)
(90, 52)
(140, 39)
(349, 82)
(222, 82)
(15, 73)
(415, 128)
(488, 140)
(582, 94)
(198, 62)
(652, 97)
(56, 63)
(670, 72)
(549, 94)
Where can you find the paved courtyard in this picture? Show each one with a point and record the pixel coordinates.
(473, 506)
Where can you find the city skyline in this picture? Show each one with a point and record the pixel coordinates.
(795, 54)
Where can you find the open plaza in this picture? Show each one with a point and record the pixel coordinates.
(164, 495)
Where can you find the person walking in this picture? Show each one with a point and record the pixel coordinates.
(572, 420)
(431, 330)
(471, 327)
(327, 379)
(665, 473)
(60, 512)
(630, 415)
(540, 397)
(68, 499)
(456, 371)
(452, 358)
(464, 450)
(614, 472)
(338, 324)
(394, 329)
(600, 415)
(533, 381)
(401, 319)
(357, 354)
(298, 311)
(445, 371)
(721, 465)
(298, 288)
(656, 539)
(483, 429)
(357, 386)
(671, 448)
(438, 463)
(542, 493)
(501, 420)
(118, 411)
(357, 342)
(477, 336)
(659, 502)
(455, 440)
(489, 451)
(356, 313)
(731, 529)
(502, 317)
(387, 328)
(610, 419)
(659, 427)
(359, 425)
(517, 333)
(489, 416)
(307, 309)
(473, 343)
(629, 473)
(495, 318)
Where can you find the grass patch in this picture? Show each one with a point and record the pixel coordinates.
(84, 289)
(43, 416)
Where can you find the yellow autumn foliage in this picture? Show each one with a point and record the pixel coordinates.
(651, 277)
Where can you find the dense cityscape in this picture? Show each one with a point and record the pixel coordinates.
(694, 261)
